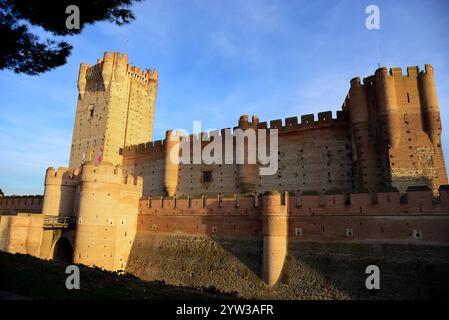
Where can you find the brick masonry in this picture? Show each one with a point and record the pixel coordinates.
(372, 175)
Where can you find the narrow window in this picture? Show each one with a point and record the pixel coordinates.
(91, 112)
(408, 97)
(207, 176)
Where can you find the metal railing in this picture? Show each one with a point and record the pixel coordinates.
(57, 222)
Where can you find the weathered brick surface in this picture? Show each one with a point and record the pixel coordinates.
(369, 217)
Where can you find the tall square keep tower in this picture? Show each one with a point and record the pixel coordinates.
(115, 108)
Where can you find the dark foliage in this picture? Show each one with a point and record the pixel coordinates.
(24, 52)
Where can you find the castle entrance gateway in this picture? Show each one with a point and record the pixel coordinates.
(63, 251)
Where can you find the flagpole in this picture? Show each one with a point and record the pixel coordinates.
(378, 53)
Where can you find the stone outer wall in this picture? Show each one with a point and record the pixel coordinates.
(21, 233)
(14, 204)
(310, 217)
(249, 245)
(102, 200)
(273, 223)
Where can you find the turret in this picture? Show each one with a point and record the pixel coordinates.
(387, 106)
(248, 172)
(60, 192)
(82, 78)
(121, 66)
(367, 173)
(275, 226)
(152, 77)
(429, 105)
(358, 110)
(172, 149)
(107, 200)
(106, 67)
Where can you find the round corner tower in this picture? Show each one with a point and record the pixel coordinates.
(60, 192)
(106, 196)
(275, 232)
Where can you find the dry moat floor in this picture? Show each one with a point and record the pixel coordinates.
(26, 277)
(193, 268)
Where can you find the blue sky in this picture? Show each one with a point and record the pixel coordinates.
(218, 60)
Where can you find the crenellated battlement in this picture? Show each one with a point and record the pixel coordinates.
(324, 119)
(395, 73)
(244, 122)
(114, 56)
(106, 172)
(230, 204)
(90, 168)
(394, 115)
(133, 182)
(92, 72)
(111, 87)
(417, 200)
(156, 146)
(392, 73)
(30, 203)
(276, 217)
(384, 141)
(383, 125)
(143, 76)
(62, 176)
(308, 121)
(115, 64)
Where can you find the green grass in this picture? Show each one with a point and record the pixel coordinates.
(38, 279)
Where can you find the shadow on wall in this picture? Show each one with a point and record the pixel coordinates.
(401, 183)
(11, 205)
(67, 204)
(338, 270)
(247, 246)
(221, 253)
(250, 256)
(198, 261)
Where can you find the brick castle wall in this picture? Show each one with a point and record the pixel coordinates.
(14, 204)
(314, 154)
(310, 216)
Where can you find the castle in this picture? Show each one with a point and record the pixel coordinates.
(375, 172)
